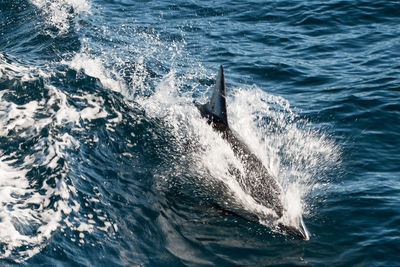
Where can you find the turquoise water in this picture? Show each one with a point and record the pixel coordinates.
(104, 160)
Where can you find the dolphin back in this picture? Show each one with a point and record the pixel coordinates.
(256, 181)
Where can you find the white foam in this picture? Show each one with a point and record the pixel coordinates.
(27, 220)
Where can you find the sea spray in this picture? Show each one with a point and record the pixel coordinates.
(267, 124)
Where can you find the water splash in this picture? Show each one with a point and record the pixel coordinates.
(293, 152)
(60, 13)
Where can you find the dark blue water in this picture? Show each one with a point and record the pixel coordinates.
(105, 161)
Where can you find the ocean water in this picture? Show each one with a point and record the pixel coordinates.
(105, 161)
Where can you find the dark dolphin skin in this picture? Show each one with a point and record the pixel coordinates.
(257, 181)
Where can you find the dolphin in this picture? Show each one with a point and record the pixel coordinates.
(257, 181)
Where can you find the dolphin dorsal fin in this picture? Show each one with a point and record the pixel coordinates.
(217, 104)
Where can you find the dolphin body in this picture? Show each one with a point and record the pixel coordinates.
(261, 185)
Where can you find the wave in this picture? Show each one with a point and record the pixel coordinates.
(39, 133)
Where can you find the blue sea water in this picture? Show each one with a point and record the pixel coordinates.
(105, 161)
